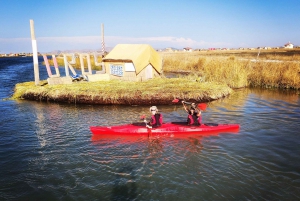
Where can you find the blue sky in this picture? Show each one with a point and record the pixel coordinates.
(67, 24)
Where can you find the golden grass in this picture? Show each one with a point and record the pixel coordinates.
(239, 70)
(158, 91)
(271, 54)
(275, 74)
(230, 71)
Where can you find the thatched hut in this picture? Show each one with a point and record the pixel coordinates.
(134, 62)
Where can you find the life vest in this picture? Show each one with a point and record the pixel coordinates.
(193, 119)
(156, 120)
(200, 120)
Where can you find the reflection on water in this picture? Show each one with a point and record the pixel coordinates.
(155, 146)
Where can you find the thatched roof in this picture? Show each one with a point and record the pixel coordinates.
(139, 54)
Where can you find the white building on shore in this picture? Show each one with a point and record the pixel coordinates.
(289, 45)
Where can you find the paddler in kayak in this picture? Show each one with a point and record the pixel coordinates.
(156, 118)
(194, 115)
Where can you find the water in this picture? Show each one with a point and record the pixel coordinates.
(48, 153)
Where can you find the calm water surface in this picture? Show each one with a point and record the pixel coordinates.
(48, 153)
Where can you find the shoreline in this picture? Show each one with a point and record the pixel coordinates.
(158, 91)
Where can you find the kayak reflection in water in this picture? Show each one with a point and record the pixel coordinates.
(194, 114)
(156, 118)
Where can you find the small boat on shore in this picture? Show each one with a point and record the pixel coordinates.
(172, 128)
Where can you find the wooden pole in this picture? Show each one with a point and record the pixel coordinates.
(35, 55)
(103, 43)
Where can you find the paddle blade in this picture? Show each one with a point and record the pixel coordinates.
(202, 106)
(175, 100)
(143, 116)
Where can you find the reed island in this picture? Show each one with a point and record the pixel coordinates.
(199, 76)
(155, 91)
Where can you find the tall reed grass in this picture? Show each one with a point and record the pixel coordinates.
(230, 71)
(275, 74)
(239, 71)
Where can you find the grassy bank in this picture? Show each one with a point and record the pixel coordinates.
(237, 69)
(155, 91)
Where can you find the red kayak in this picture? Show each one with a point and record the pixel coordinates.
(172, 128)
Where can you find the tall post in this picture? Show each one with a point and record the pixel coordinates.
(103, 44)
(34, 53)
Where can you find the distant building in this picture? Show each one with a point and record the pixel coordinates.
(289, 45)
(187, 49)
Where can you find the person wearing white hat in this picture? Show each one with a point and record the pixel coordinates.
(156, 118)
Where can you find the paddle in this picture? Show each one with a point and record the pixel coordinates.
(149, 128)
(201, 106)
(143, 117)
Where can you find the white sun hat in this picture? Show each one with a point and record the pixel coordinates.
(153, 108)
